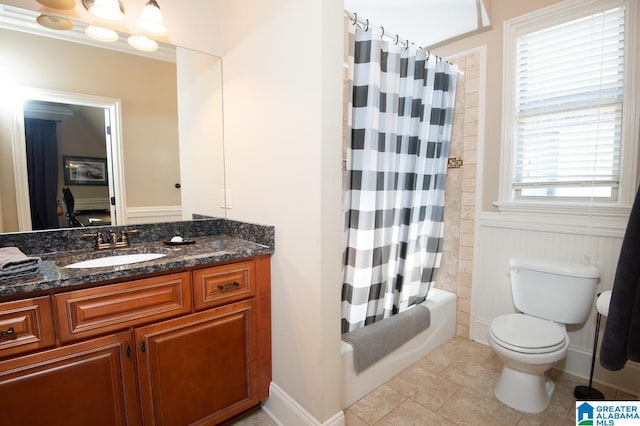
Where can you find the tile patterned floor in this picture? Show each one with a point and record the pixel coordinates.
(453, 385)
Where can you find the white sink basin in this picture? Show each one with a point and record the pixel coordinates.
(122, 259)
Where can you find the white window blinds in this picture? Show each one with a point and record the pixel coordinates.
(569, 89)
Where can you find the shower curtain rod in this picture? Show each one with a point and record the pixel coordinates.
(355, 19)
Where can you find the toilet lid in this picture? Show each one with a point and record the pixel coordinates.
(524, 333)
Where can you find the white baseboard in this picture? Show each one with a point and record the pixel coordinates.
(578, 363)
(479, 332)
(285, 411)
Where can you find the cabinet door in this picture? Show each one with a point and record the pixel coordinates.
(199, 368)
(89, 383)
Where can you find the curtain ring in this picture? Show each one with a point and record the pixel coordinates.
(397, 39)
(406, 46)
(355, 18)
(382, 33)
(428, 54)
(366, 27)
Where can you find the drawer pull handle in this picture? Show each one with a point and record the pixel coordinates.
(8, 332)
(229, 286)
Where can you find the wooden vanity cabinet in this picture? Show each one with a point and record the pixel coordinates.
(25, 325)
(198, 368)
(88, 383)
(99, 310)
(223, 284)
(197, 357)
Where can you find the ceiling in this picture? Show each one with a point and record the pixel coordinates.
(423, 22)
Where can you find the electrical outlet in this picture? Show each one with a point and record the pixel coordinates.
(225, 199)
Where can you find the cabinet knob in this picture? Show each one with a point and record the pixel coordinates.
(127, 351)
(143, 347)
(228, 286)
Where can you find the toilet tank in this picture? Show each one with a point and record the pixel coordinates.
(559, 291)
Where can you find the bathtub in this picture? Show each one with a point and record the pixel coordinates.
(443, 327)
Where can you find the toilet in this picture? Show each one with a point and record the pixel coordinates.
(549, 294)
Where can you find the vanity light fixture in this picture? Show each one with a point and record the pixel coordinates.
(151, 19)
(101, 33)
(107, 10)
(142, 42)
(54, 22)
(58, 4)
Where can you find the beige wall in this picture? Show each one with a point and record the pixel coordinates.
(499, 12)
(283, 129)
(149, 127)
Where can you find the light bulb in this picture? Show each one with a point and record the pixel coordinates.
(100, 33)
(142, 42)
(108, 10)
(151, 19)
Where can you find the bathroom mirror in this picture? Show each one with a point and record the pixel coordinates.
(164, 104)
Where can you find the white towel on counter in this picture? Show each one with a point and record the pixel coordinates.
(14, 262)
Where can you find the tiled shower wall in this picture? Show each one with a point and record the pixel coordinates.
(460, 192)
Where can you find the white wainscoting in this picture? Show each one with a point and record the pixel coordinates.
(586, 240)
(155, 214)
(101, 203)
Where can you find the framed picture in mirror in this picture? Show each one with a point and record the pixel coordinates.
(84, 170)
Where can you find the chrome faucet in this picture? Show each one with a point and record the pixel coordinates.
(114, 241)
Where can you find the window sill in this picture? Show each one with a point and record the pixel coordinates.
(564, 208)
(573, 218)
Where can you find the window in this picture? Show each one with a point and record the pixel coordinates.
(564, 119)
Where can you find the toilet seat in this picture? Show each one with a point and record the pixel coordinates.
(527, 334)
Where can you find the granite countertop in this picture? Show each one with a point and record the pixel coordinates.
(226, 241)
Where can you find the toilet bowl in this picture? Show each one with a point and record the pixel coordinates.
(548, 294)
(528, 347)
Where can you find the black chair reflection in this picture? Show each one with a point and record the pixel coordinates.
(70, 204)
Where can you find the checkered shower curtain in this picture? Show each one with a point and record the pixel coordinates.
(401, 111)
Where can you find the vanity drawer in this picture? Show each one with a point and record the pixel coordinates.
(26, 325)
(223, 284)
(98, 310)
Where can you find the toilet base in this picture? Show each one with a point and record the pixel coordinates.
(530, 393)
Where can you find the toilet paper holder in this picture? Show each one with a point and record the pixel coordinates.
(588, 393)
